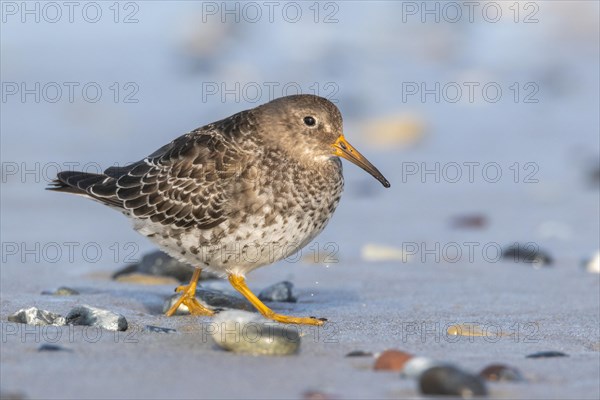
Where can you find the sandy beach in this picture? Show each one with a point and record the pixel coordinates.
(394, 269)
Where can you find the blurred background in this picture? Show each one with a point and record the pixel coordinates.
(465, 92)
(483, 116)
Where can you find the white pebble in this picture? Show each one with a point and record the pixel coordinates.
(374, 253)
(593, 265)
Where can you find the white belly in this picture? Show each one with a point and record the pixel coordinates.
(250, 247)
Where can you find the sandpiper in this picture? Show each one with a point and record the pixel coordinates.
(234, 195)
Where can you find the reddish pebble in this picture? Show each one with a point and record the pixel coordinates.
(316, 395)
(392, 360)
(499, 372)
(474, 221)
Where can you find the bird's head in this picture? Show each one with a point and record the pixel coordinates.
(310, 127)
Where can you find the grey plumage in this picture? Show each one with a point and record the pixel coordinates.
(259, 179)
(236, 194)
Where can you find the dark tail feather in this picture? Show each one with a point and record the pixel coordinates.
(75, 182)
(94, 186)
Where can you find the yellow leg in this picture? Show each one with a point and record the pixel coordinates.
(239, 283)
(188, 298)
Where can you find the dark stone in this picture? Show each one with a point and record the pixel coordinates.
(528, 253)
(499, 372)
(218, 299)
(62, 291)
(90, 316)
(52, 347)
(161, 264)
(451, 381)
(547, 354)
(281, 292)
(158, 329)
(359, 353)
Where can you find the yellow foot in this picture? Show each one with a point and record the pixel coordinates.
(285, 319)
(239, 283)
(188, 298)
(190, 301)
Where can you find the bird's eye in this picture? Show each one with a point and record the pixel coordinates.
(310, 121)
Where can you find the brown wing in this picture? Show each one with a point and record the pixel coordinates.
(185, 183)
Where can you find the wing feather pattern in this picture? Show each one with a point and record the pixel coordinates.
(186, 183)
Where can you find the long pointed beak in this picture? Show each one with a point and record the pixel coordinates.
(342, 148)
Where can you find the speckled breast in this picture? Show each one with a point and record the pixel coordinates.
(274, 212)
(288, 207)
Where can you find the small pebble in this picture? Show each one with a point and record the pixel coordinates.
(451, 381)
(158, 329)
(417, 365)
(281, 292)
(470, 330)
(547, 354)
(499, 372)
(35, 316)
(593, 265)
(52, 347)
(91, 316)
(528, 253)
(244, 332)
(359, 353)
(62, 291)
(392, 360)
(376, 253)
(473, 221)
